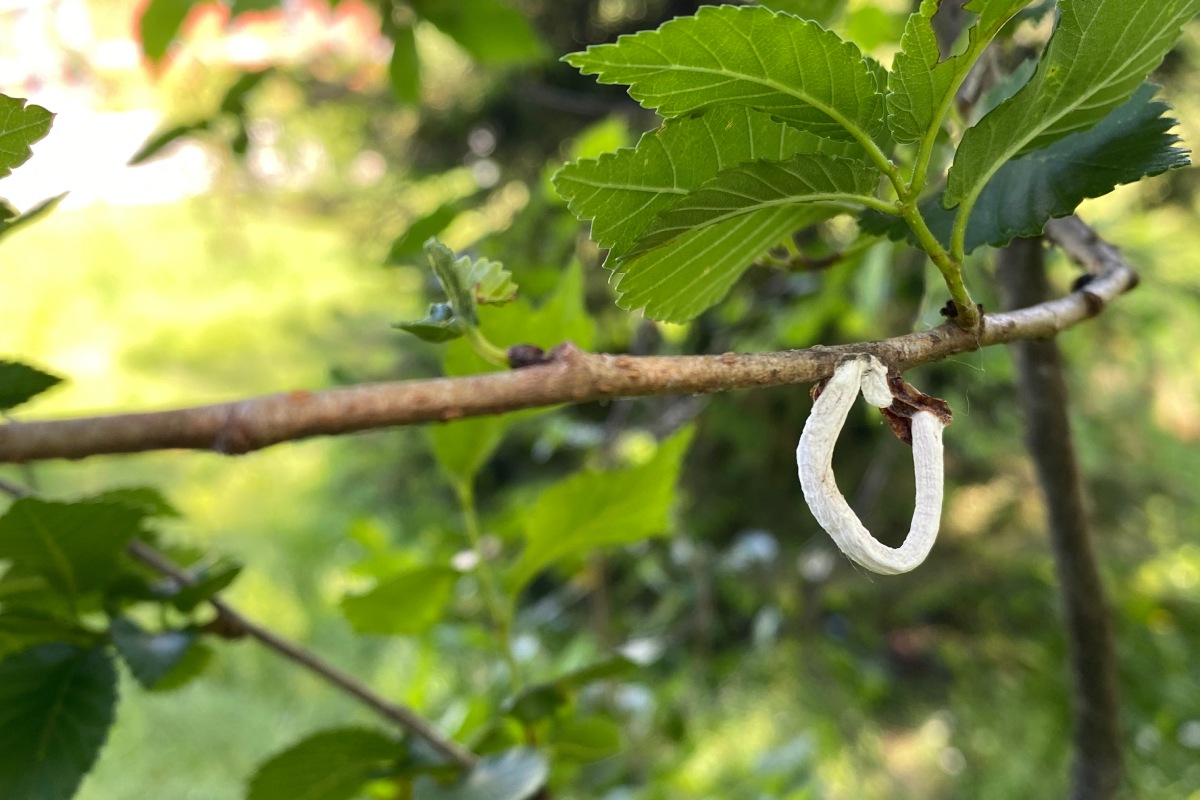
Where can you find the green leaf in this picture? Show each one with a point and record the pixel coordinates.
(21, 629)
(404, 69)
(676, 282)
(191, 665)
(147, 499)
(513, 775)
(20, 383)
(464, 446)
(594, 509)
(621, 192)
(585, 740)
(1131, 143)
(749, 56)
(20, 127)
(1100, 53)
(542, 700)
(919, 87)
(150, 656)
(405, 604)
(210, 580)
(492, 32)
(411, 244)
(18, 221)
(438, 325)
(828, 186)
(159, 24)
(234, 100)
(76, 547)
(239, 7)
(822, 11)
(469, 283)
(56, 706)
(159, 141)
(330, 765)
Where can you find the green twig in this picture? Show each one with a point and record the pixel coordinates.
(486, 350)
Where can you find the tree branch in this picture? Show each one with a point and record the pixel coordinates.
(233, 625)
(569, 376)
(1041, 387)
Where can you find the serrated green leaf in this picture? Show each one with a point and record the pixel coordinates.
(513, 775)
(621, 192)
(159, 24)
(1131, 143)
(56, 706)
(1100, 53)
(21, 629)
(822, 11)
(678, 281)
(593, 509)
(491, 31)
(920, 83)
(14, 223)
(439, 324)
(469, 283)
(829, 185)
(20, 383)
(405, 604)
(750, 56)
(20, 126)
(330, 765)
(404, 69)
(76, 547)
(150, 656)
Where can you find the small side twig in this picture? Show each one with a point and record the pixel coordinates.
(233, 624)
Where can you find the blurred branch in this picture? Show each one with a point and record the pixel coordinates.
(566, 375)
(231, 624)
(1042, 390)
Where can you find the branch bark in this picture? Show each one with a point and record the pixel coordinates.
(1096, 770)
(570, 376)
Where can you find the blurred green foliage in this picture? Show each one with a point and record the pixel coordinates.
(766, 666)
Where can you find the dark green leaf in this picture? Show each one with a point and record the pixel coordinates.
(20, 126)
(492, 32)
(439, 325)
(404, 72)
(160, 23)
(331, 765)
(234, 101)
(749, 56)
(56, 706)
(514, 775)
(156, 143)
(149, 656)
(21, 629)
(240, 7)
(209, 582)
(76, 547)
(593, 509)
(1133, 142)
(829, 186)
(543, 700)
(192, 665)
(147, 499)
(1100, 53)
(404, 604)
(13, 223)
(21, 382)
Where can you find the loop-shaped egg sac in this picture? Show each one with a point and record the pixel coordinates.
(814, 461)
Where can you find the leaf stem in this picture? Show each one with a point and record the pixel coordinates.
(484, 347)
(968, 317)
(499, 610)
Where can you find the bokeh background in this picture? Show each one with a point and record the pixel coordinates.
(249, 258)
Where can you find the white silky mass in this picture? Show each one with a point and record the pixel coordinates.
(814, 460)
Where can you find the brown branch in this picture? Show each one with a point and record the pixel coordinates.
(1042, 390)
(569, 376)
(232, 624)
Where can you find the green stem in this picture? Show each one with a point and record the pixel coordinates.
(486, 350)
(951, 268)
(498, 609)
